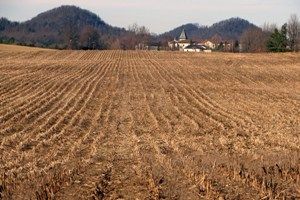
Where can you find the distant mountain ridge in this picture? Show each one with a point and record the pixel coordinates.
(51, 27)
(58, 27)
(230, 29)
(5, 24)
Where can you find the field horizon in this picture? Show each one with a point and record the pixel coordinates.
(119, 124)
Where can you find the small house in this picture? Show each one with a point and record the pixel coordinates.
(194, 48)
(210, 44)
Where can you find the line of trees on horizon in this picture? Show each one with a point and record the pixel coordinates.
(98, 35)
(90, 38)
(270, 38)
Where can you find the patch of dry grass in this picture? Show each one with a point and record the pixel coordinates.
(148, 125)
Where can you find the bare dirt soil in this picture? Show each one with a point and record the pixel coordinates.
(148, 125)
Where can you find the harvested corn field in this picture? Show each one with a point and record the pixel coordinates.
(148, 125)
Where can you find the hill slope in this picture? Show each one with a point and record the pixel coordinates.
(57, 27)
(73, 27)
(227, 29)
(5, 24)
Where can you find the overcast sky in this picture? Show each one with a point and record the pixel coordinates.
(161, 15)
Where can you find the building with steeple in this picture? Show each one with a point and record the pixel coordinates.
(185, 44)
(183, 36)
(181, 43)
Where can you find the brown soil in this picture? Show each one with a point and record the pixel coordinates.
(148, 125)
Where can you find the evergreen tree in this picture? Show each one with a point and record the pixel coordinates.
(236, 47)
(278, 40)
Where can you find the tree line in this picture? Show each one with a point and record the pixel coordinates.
(70, 27)
(270, 38)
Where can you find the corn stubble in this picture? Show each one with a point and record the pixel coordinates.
(148, 125)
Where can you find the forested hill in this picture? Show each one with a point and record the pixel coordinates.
(70, 27)
(58, 27)
(6, 24)
(227, 29)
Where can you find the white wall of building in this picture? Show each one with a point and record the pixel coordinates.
(191, 50)
(210, 44)
(183, 45)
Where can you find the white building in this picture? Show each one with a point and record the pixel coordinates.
(181, 43)
(210, 44)
(196, 48)
(186, 45)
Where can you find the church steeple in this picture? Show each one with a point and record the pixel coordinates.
(183, 36)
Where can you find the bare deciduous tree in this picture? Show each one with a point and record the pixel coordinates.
(254, 40)
(135, 28)
(269, 27)
(293, 31)
(137, 36)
